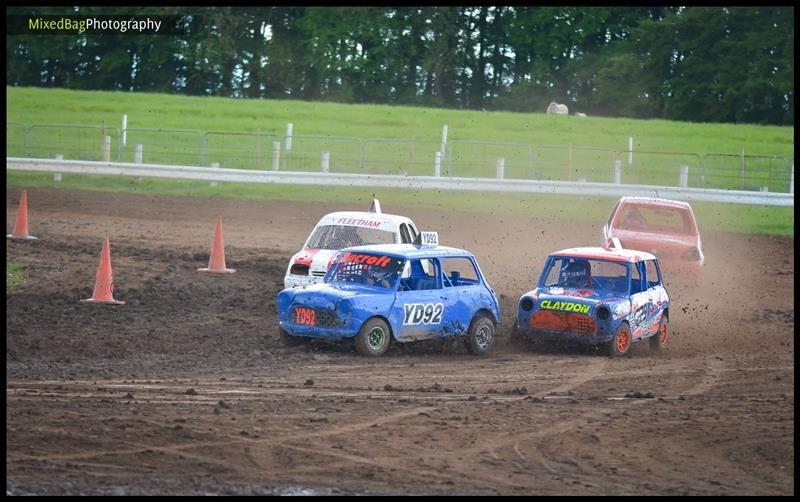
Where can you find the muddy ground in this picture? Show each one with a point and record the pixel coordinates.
(186, 389)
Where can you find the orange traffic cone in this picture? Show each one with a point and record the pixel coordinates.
(216, 263)
(104, 283)
(21, 228)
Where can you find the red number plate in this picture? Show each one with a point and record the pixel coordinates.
(304, 315)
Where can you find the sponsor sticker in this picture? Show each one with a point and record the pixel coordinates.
(368, 259)
(565, 306)
(422, 313)
(359, 222)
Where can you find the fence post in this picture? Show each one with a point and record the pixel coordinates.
(57, 176)
(276, 155)
(137, 153)
(289, 127)
(444, 138)
(437, 165)
(106, 153)
(214, 165)
(124, 128)
(791, 180)
(258, 148)
(683, 181)
(28, 146)
(569, 161)
(325, 166)
(501, 168)
(617, 171)
(741, 171)
(630, 150)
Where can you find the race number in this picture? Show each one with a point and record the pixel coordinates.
(306, 316)
(422, 313)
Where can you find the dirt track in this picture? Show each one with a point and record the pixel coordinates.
(186, 389)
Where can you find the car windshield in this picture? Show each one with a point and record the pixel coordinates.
(344, 236)
(666, 220)
(585, 273)
(371, 269)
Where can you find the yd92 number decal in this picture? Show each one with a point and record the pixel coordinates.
(306, 316)
(422, 313)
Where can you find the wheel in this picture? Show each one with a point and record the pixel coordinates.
(619, 345)
(373, 338)
(481, 336)
(289, 340)
(659, 340)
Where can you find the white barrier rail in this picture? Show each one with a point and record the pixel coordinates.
(398, 181)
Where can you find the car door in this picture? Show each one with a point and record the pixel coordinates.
(656, 298)
(463, 293)
(419, 309)
(639, 300)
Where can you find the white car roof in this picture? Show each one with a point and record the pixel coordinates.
(381, 221)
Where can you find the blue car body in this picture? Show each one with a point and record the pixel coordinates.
(424, 299)
(624, 289)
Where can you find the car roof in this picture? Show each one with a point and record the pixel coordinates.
(598, 253)
(653, 201)
(410, 251)
(363, 218)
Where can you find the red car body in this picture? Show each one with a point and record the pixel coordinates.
(663, 227)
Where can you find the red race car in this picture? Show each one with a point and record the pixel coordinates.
(663, 227)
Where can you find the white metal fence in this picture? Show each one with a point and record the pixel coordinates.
(414, 157)
(399, 181)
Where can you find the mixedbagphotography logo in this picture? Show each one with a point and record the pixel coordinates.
(89, 24)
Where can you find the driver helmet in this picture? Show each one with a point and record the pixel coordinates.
(576, 274)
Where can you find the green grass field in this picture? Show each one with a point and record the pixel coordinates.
(392, 139)
(355, 136)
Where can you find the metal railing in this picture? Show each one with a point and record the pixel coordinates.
(391, 156)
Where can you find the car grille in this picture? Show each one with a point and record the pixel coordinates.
(324, 317)
(318, 273)
(563, 321)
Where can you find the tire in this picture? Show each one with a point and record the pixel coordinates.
(659, 340)
(373, 338)
(619, 345)
(481, 336)
(289, 340)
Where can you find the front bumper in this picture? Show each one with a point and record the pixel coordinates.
(326, 333)
(601, 334)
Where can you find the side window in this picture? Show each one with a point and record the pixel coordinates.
(422, 275)
(651, 274)
(613, 212)
(412, 232)
(636, 279)
(404, 236)
(459, 272)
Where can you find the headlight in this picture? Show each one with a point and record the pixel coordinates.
(603, 313)
(526, 304)
(298, 269)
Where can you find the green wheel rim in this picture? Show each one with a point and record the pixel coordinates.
(376, 338)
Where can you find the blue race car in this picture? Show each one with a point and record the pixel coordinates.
(603, 296)
(404, 292)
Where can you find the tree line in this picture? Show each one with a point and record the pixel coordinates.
(701, 64)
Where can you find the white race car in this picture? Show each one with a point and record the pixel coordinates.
(345, 229)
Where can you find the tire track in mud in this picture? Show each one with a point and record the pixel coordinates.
(536, 460)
